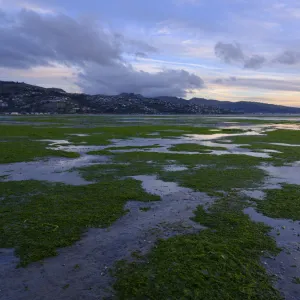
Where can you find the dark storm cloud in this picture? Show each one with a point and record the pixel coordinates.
(39, 40)
(35, 40)
(233, 53)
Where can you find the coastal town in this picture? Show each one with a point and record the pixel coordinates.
(21, 98)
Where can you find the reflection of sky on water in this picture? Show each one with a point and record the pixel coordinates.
(53, 169)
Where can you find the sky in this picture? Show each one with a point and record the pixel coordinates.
(234, 50)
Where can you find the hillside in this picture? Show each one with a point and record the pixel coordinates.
(24, 98)
(238, 107)
(8, 88)
(248, 107)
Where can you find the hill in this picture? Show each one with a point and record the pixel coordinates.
(248, 107)
(8, 88)
(24, 98)
(238, 107)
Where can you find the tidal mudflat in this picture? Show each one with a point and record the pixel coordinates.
(146, 207)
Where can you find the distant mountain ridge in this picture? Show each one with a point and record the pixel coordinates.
(27, 99)
(237, 107)
(248, 107)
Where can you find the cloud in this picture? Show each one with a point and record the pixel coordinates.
(132, 45)
(288, 58)
(4, 18)
(233, 53)
(229, 52)
(254, 62)
(2, 14)
(140, 54)
(124, 78)
(260, 83)
(35, 39)
(36, 8)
